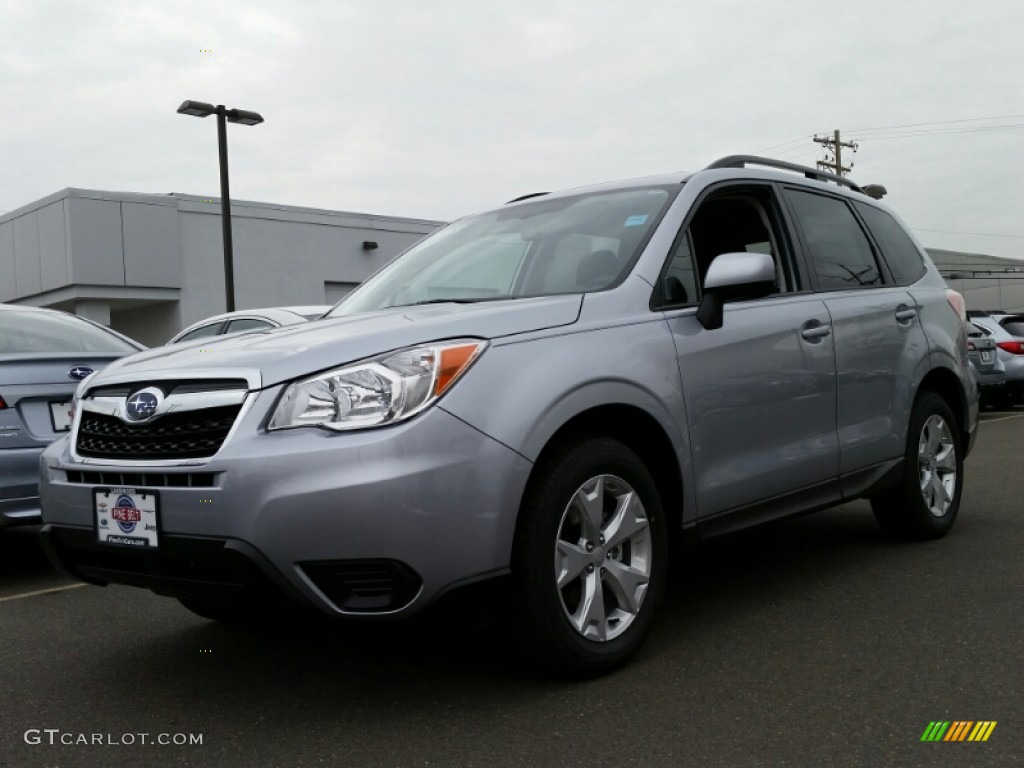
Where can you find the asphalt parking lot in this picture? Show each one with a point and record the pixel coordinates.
(815, 642)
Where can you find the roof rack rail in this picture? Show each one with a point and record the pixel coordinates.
(742, 161)
(526, 197)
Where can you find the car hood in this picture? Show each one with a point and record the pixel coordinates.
(269, 357)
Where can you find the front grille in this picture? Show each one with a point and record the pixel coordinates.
(365, 586)
(145, 479)
(182, 435)
(170, 387)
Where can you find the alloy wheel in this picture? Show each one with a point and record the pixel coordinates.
(603, 557)
(936, 458)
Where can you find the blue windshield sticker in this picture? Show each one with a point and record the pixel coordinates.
(635, 221)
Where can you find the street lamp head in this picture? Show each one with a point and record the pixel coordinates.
(244, 116)
(196, 109)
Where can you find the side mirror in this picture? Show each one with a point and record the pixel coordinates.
(734, 276)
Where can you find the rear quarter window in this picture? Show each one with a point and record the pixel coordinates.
(1014, 325)
(899, 251)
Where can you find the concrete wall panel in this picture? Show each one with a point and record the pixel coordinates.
(8, 287)
(152, 245)
(26, 254)
(54, 270)
(97, 250)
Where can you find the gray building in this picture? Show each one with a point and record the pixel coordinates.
(986, 282)
(148, 265)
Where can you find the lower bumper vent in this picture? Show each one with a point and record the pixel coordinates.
(365, 586)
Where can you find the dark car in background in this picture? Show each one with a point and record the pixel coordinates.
(44, 355)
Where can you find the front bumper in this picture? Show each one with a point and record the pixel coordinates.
(430, 504)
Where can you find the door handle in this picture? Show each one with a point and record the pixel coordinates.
(906, 315)
(817, 332)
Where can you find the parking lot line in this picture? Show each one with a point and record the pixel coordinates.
(1004, 418)
(40, 592)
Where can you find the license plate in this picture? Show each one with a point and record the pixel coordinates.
(986, 355)
(60, 415)
(127, 517)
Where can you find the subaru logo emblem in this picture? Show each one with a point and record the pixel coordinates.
(143, 404)
(79, 372)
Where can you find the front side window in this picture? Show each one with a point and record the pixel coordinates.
(27, 332)
(840, 252)
(898, 250)
(201, 332)
(571, 244)
(734, 220)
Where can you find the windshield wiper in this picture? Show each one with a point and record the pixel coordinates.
(473, 300)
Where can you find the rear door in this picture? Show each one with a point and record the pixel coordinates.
(879, 341)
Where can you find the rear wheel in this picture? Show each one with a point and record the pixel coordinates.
(590, 558)
(925, 503)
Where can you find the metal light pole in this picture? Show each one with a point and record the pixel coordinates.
(224, 116)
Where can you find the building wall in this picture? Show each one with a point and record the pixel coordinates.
(153, 264)
(985, 282)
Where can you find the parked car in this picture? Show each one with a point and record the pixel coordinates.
(545, 391)
(1010, 351)
(44, 355)
(249, 320)
(987, 367)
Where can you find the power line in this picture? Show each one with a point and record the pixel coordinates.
(910, 134)
(782, 144)
(937, 122)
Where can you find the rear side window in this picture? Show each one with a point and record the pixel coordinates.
(1014, 325)
(898, 250)
(840, 252)
(42, 332)
(247, 324)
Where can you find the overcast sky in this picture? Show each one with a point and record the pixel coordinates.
(441, 108)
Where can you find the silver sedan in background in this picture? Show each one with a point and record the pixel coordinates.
(44, 355)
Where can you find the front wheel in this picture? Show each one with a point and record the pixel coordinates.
(589, 563)
(925, 503)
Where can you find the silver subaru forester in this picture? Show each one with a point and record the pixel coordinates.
(546, 391)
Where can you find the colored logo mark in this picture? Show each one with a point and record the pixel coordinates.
(126, 514)
(958, 730)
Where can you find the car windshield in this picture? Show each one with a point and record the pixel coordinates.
(49, 332)
(548, 246)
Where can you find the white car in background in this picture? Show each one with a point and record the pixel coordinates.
(249, 320)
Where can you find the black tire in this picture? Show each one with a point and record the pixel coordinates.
(905, 511)
(552, 512)
(1003, 400)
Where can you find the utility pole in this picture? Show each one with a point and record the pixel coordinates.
(834, 145)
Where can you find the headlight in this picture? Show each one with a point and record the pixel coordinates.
(383, 390)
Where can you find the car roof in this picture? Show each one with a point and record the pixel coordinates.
(733, 166)
(280, 315)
